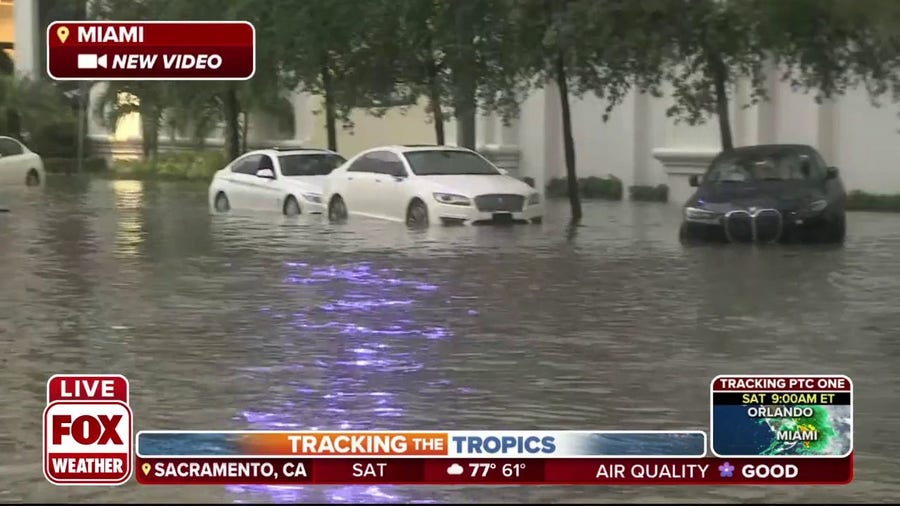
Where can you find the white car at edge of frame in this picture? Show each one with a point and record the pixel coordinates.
(288, 181)
(19, 165)
(428, 185)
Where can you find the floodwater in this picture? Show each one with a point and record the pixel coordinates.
(261, 321)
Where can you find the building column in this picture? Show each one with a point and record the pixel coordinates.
(744, 117)
(687, 151)
(825, 137)
(505, 152)
(554, 156)
(767, 118)
(486, 129)
(27, 38)
(642, 146)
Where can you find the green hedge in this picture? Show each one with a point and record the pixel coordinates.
(66, 165)
(57, 139)
(646, 193)
(186, 166)
(593, 187)
(861, 201)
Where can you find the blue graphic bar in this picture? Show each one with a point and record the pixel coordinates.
(471, 444)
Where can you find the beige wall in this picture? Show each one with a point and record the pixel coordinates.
(413, 126)
(7, 27)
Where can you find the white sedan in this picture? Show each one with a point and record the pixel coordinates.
(288, 181)
(428, 185)
(19, 165)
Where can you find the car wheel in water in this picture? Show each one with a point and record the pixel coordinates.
(32, 179)
(337, 210)
(222, 204)
(683, 234)
(835, 230)
(417, 215)
(291, 206)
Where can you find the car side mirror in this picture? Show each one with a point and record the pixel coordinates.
(265, 173)
(694, 180)
(831, 173)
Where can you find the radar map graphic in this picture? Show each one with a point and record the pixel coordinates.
(788, 430)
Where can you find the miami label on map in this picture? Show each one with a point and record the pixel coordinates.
(774, 416)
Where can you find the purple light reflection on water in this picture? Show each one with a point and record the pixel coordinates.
(369, 317)
(364, 305)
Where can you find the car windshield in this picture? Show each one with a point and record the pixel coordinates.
(448, 162)
(763, 166)
(310, 164)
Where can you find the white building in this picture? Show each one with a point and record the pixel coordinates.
(638, 144)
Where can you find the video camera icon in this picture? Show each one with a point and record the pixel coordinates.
(91, 61)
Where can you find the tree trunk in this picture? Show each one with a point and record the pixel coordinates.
(330, 119)
(720, 78)
(464, 105)
(244, 130)
(232, 112)
(435, 103)
(568, 140)
(150, 132)
(465, 128)
(13, 123)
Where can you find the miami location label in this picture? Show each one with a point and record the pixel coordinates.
(782, 416)
(176, 50)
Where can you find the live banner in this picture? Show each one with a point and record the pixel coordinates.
(238, 470)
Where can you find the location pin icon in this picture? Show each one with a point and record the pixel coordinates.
(63, 33)
(145, 468)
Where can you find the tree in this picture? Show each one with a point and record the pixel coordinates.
(146, 98)
(120, 98)
(715, 43)
(29, 105)
(450, 51)
(322, 48)
(198, 105)
(830, 46)
(232, 99)
(602, 47)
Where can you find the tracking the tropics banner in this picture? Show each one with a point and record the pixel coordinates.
(89, 440)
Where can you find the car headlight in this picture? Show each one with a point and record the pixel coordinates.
(534, 198)
(313, 197)
(452, 199)
(696, 213)
(817, 205)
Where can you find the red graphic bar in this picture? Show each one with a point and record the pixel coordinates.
(170, 50)
(87, 387)
(444, 471)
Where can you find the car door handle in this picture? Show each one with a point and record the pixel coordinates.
(349, 179)
(377, 180)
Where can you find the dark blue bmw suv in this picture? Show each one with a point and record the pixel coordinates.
(767, 193)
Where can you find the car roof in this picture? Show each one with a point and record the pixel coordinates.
(409, 148)
(276, 151)
(771, 148)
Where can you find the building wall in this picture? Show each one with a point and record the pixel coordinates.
(640, 145)
(412, 125)
(7, 27)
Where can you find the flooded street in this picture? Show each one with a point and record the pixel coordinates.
(266, 322)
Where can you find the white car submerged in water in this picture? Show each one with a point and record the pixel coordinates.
(19, 165)
(428, 185)
(288, 181)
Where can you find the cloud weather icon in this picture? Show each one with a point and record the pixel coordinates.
(455, 470)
